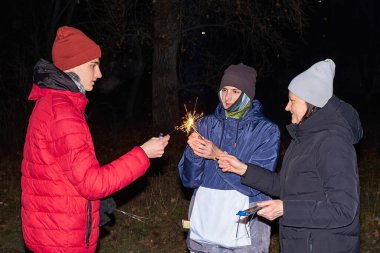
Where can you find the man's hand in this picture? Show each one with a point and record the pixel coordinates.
(155, 147)
(203, 147)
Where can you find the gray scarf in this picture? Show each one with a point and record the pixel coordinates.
(77, 81)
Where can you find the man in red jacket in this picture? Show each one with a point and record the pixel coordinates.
(62, 180)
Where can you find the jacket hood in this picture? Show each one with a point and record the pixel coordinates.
(337, 116)
(47, 79)
(46, 75)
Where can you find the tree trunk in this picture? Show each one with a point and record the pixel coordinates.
(137, 65)
(165, 108)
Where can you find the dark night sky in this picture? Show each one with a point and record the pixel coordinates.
(347, 31)
(342, 29)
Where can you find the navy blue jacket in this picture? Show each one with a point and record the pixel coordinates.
(318, 182)
(252, 139)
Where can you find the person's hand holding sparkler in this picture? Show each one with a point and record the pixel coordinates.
(200, 145)
(203, 147)
(155, 147)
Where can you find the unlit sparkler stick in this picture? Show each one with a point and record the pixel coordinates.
(133, 216)
(162, 134)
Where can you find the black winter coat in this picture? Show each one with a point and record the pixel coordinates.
(318, 182)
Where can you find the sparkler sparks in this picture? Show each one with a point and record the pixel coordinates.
(188, 125)
(189, 121)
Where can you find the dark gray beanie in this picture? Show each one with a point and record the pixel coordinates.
(242, 77)
(315, 85)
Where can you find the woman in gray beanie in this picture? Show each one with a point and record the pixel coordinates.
(238, 127)
(318, 185)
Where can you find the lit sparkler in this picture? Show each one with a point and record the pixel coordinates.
(189, 121)
(188, 124)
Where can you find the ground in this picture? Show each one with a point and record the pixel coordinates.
(159, 199)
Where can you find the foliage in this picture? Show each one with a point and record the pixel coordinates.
(116, 21)
(30, 30)
(260, 32)
(256, 32)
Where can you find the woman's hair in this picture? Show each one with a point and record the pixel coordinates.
(311, 109)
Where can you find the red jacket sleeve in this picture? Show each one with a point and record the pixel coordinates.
(75, 154)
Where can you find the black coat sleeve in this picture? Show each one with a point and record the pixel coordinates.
(262, 179)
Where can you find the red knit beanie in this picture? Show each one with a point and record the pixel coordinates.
(72, 48)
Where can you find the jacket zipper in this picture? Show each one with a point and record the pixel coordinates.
(88, 223)
(286, 162)
(310, 243)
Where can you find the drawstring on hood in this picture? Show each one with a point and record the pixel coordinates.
(253, 110)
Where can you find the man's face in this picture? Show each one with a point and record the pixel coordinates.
(88, 73)
(229, 95)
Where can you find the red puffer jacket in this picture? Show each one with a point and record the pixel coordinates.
(62, 180)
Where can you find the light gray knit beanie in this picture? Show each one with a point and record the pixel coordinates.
(315, 85)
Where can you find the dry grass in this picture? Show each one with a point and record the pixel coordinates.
(159, 197)
(10, 221)
(370, 201)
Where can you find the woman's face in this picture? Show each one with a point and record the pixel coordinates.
(297, 107)
(229, 95)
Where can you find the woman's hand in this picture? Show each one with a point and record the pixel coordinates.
(271, 209)
(203, 147)
(229, 163)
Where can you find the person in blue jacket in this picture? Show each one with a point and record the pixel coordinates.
(318, 184)
(237, 127)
